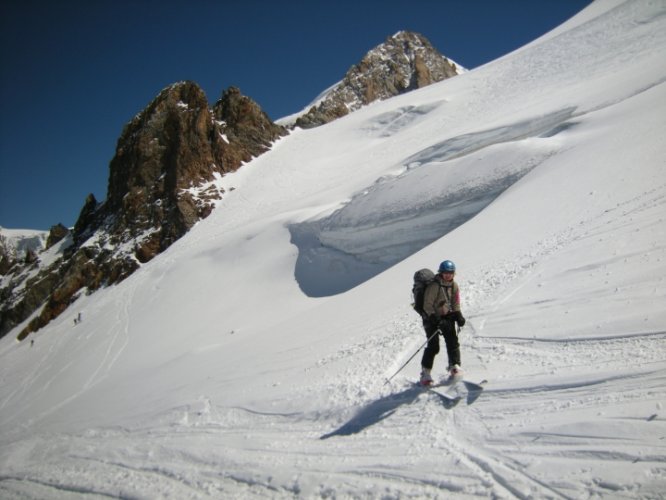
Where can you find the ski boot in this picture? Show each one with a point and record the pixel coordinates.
(426, 379)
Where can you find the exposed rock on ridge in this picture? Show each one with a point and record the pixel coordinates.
(404, 62)
(161, 178)
(162, 181)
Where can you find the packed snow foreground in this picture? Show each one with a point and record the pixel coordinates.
(249, 359)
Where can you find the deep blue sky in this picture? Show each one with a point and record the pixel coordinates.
(74, 72)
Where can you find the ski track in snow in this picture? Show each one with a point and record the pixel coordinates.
(563, 326)
(503, 419)
(509, 422)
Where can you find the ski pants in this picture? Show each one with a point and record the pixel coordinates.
(448, 329)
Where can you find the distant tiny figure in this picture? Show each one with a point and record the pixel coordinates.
(32, 342)
(77, 320)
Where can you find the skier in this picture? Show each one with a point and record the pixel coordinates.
(441, 306)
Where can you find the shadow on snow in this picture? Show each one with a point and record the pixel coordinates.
(400, 215)
(383, 408)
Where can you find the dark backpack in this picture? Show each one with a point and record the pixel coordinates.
(422, 278)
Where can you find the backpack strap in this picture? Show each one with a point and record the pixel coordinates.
(449, 299)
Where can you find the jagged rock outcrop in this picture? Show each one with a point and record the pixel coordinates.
(167, 157)
(56, 235)
(161, 183)
(247, 129)
(404, 62)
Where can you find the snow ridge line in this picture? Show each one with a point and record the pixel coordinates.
(573, 385)
(579, 340)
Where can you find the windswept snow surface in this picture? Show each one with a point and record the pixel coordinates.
(241, 365)
(19, 241)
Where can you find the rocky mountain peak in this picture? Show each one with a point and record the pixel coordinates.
(162, 181)
(167, 157)
(163, 145)
(404, 62)
(247, 130)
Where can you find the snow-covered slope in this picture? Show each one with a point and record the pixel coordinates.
(248, 362)
(16, 242)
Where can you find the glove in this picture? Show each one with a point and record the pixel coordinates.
(460, 319)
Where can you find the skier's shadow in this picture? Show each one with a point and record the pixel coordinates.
(378, 410)
(375, 412)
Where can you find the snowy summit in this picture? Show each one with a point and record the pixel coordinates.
(249, 360)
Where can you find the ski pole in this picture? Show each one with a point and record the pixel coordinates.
(438, 331)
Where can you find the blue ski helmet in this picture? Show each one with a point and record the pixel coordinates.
(447, 267)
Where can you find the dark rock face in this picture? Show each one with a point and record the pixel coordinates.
(164, 151)
(56, 235)
(248, 130)
(169, 151)
(161, 183)
(404, 62)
